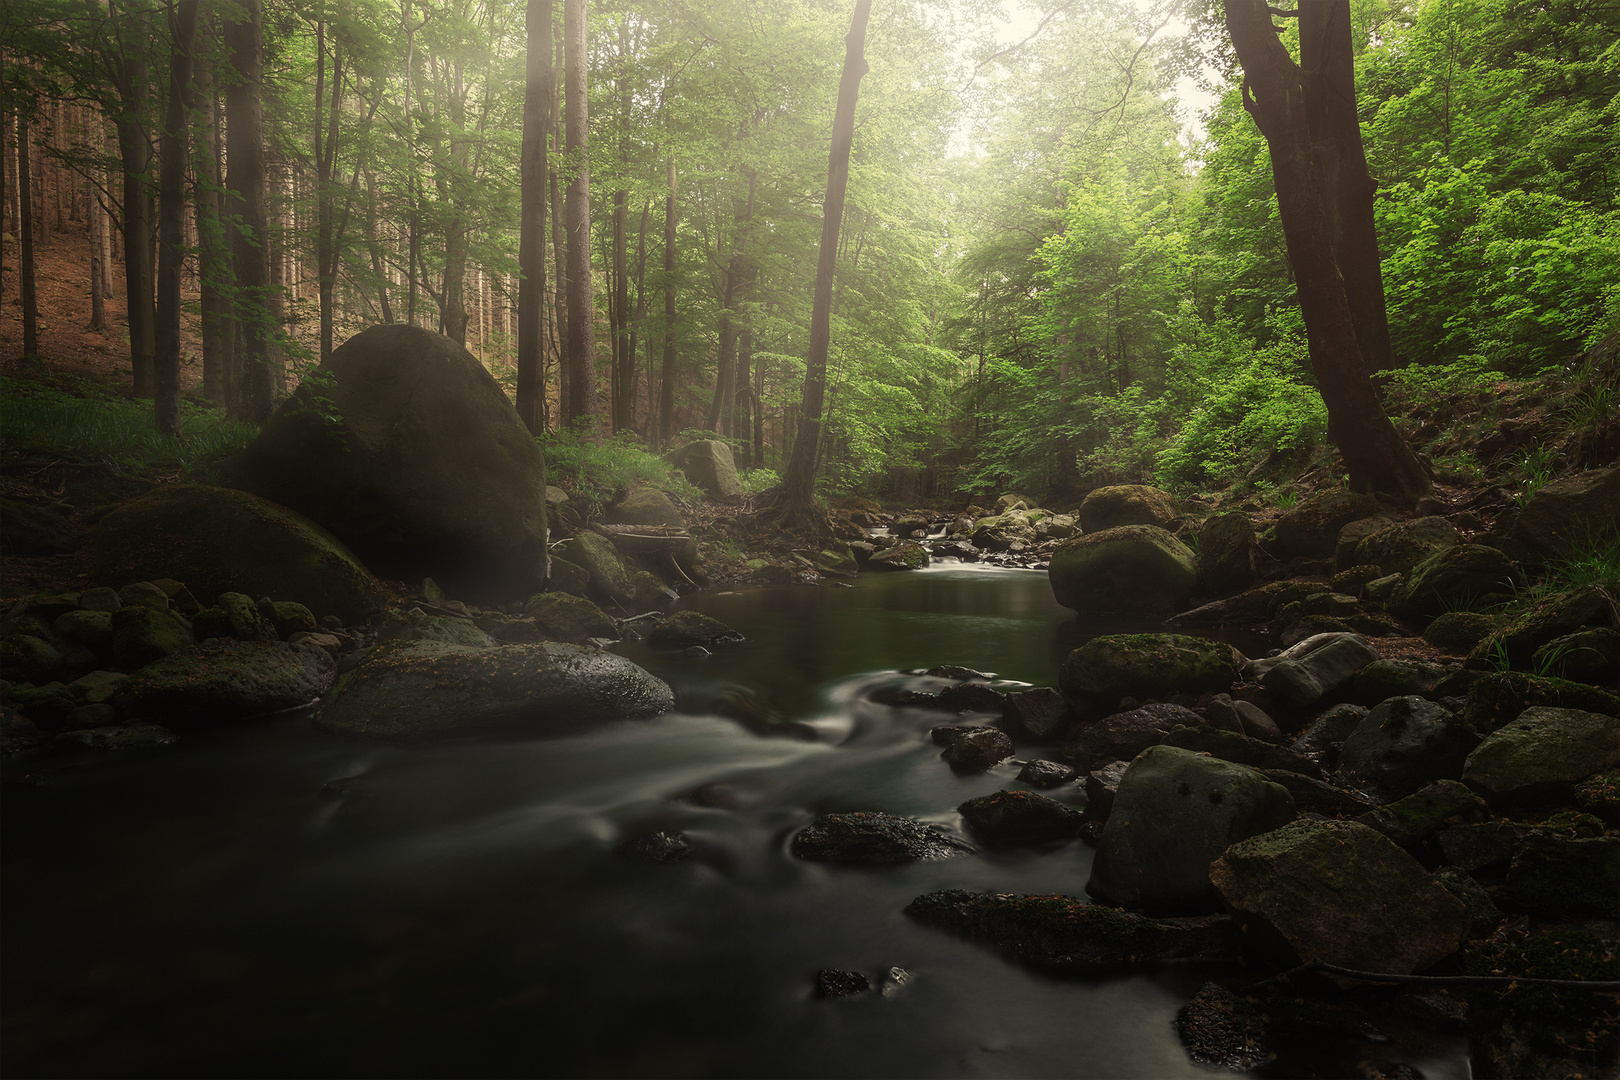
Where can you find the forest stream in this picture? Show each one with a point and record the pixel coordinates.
(272, 900)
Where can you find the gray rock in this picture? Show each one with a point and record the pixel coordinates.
(1542, 755)
(1459, 576)
(1130, 569)
(659, 847)
(907, 555)
(1174, 813)
(1404, 744)
(1311, 528)
(1400, 547)
(1240, 749)
(92, 629)
(708, 464)
(1097, 675)
(566, 617)
(1306, 672)
(1563, 513)
(1587, 655)
(1412, 820)
(1101, 787)
(1483, 914)
(1318, 796)
(687, 628)
(415, 690)
(1001, 532)
(1383, 679)
(223, 682)
(1459, 631)
(1353, 533)
(1324, 737)
(600, 560)
(1046, 774)
(1010, 818)
(832, 983)
(646, 506)
(1039, 715)
(979, 750)
(418, 625)
(971, 697)
(1123, 735)
(1565, 877)
(873, 838)
(1338, 891)
(1243, 717)
(1481, 846)
(1227, 553)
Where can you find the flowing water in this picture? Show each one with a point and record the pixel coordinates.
(275, 901)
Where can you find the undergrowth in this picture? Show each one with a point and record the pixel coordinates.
(600, 470)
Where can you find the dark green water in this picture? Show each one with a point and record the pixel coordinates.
(207, 910)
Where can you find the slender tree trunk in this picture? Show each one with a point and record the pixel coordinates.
(25, 232)
(1374, 454)
(250, 253)
(213, 259)
(98, 303)
(798, 502)
(326, 254)
(666, 377)
(582, 409)
(532, 216)
(182, 21)
(624, 361)
(559, 243)
(374, 247)
(135, 153)
(740, 426)
(635, 319)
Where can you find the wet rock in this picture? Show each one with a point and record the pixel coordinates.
(1227, 553)
(1130, 569)
(1220, 1029)
(1064, 933)
(1565, 513)
(1412, 820)
(1240, 749)
(1001, 532)
(506, 629)
(1338, 891)
(1243, 717)
(1312, 795)
(658, 847)
(428, 689)
(832, 983)
(1101, 787)
(1039, 715)
(687, 628)
(971, 697)
(1400, 547)
(1105, 669)
(1311, 528)
(946, 734)
(1125, 504)
(895, 982)
(1011, 501)
(1464, 575)
(1353, 533)
(1174, 813)
(1324, 737)
(116, 738)
(1046, 774)
(217, 541)
(1011, 818)
(565, 617)
(708, 463)
(1404, 744)
(873, 838)
(976, 751)
(223, 682)
(907, 555)
(1542, 755)
(1384, 679)
(1123, 735)
(1308, 671)
(597, 556)
(1565, 877)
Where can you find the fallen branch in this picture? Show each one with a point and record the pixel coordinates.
(1605, 986)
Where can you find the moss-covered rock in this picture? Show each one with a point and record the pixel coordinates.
(142, 635)
(1341, 892)
(287, 617)
(684, 629)
(907, 555)
(600, 559)
(225, 682)
(1001, 532)
(1420, 815)
(92, 629)
(708, 463)
(1227, 553)
(1541, 755)
(414, 624)
(1518, 1029)
(1312, 527)
(1105, 669)
(1383, 679)
(1125, 504)
(567, 577)
(243, 620)
(1133, 568)
(1400, 547)
(1494, 699)
(1315, 666)
(1565, 515)
(569, 618)
(1555, 616)
(426, 689)
(1587, 655)
(1565, 877)
(1600, 796)
(1353, 533)
(646, 506)
(1456, 577)
(1459, 631)
(217, 541)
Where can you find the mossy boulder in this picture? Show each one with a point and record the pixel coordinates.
(217, 540)
(1341, 892)
(1460, 631)
(287, 617)
(405, 447)
(1353, 533)
(1174, 813)
(1384, 679)
(419, 690)
(600, 559)
(1540, 756)
(1587, 655)
(1125, 504)
(907, 555)
(708, 463)
(684, 629)
(567, 577)
(1105, 669)
(1400, 547)
(414, 624)
(1001, 532)
(569, 618)
(1312, 527)
(92, 629)
(1227, 553)
(225, 682)
(1555, 616)
(1565, 877)
(1404, 744)
(1566, 515)
(1420, 815)
(1130, 569)
(646, 506)
(142, 635)
(1497, 698)
(1463, 576)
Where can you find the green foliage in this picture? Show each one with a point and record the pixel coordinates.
(597, 470)
(755, 481)
(88, 424)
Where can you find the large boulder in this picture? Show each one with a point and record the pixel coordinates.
(1565, 515)
(1174, 813)
(218, 541)
(708, 464)
(1352, 534)
(1542, 755)
(221, 682)
(1227, 553)
(565, 617)
(1308, 670)
(1003, 531)
(1454, 577)
(406, 448)
(1123, 735)
(1341, 892)
(423, 689)
(1399, 548)
(1105, 669)
(1312, 527)
(1404, 744)
(1130, 569)
(1125, 504)
(645, 506)
(1559, 615)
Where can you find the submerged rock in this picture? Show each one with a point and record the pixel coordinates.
(832, 983)
(1066, 933)
(684, 629)
(418, 690)
(1046, 774)
(659, 847)
(873, 838)
(1220, 1029)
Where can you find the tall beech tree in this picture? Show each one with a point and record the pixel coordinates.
(1375, 456)
(797, 498)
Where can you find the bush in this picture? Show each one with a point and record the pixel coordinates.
(598, 470)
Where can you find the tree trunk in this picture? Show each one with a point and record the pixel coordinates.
(532, 215)
(635, 320)
(581, 413)
(135, 154)
(1375, 457)
(666, 376)
(250, 252)
(559, 244)
(213, 260)
(798, 503)
(25, 231)
(171, 220)
(326, 255)
(98, 303)
(1328, 68)
(378, 270)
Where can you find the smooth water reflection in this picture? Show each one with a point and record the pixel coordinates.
(274, 901)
